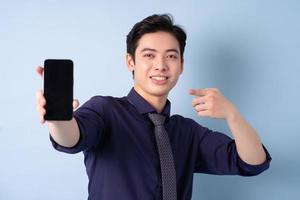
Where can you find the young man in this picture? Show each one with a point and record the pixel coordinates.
(123, 155)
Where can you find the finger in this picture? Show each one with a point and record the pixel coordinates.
(42, 120)
(204, 113)
(42, 101)
(212, 89)
(39, 70)
(40, 98)
(41, 112)
(198, 100)
(75, 103)
(201, 107)
(199, 92)
(38, 94)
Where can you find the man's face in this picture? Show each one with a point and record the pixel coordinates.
(157, 65)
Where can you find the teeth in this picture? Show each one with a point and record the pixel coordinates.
(159, 78)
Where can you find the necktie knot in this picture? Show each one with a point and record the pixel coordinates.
(157, 119)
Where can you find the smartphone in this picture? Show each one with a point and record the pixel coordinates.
(58, 89)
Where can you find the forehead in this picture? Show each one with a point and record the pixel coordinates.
(159, 41)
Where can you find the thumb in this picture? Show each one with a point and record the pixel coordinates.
(40, 70)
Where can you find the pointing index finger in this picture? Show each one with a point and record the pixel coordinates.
(199, 92)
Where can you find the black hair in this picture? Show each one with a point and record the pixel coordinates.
(152, 24)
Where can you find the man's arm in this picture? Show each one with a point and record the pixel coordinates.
(65, 133)
(211, 103)
(247, 141)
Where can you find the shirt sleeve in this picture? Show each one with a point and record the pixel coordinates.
(217, 154)
(90, 120)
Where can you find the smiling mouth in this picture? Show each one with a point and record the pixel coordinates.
(159, 78)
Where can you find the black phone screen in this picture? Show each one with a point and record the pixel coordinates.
(58, 89)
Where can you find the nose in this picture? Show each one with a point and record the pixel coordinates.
(160, 64)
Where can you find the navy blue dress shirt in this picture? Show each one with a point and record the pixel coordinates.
(121, 157)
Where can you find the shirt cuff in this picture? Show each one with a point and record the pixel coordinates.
(252, 170)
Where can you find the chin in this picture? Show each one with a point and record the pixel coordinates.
(159, 91)
(154, 90)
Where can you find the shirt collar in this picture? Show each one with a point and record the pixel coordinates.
(143, 106)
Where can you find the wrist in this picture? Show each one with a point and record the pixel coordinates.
(233, 115)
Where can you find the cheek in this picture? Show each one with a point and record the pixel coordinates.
(143, 67)
(177, 69)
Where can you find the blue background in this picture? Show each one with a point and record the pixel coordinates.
(247, 49)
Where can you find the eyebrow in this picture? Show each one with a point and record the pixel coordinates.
(154, 50)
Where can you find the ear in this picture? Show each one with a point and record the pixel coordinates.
(129, 62)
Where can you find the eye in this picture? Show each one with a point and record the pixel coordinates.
(148, 55)
(172, 56)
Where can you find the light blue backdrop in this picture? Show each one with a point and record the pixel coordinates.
(248, 49)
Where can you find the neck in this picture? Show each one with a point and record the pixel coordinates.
(157, 102)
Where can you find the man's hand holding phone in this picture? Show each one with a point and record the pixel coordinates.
(41, 100)
(62, 125)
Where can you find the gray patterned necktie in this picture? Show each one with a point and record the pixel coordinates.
(166, 157)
